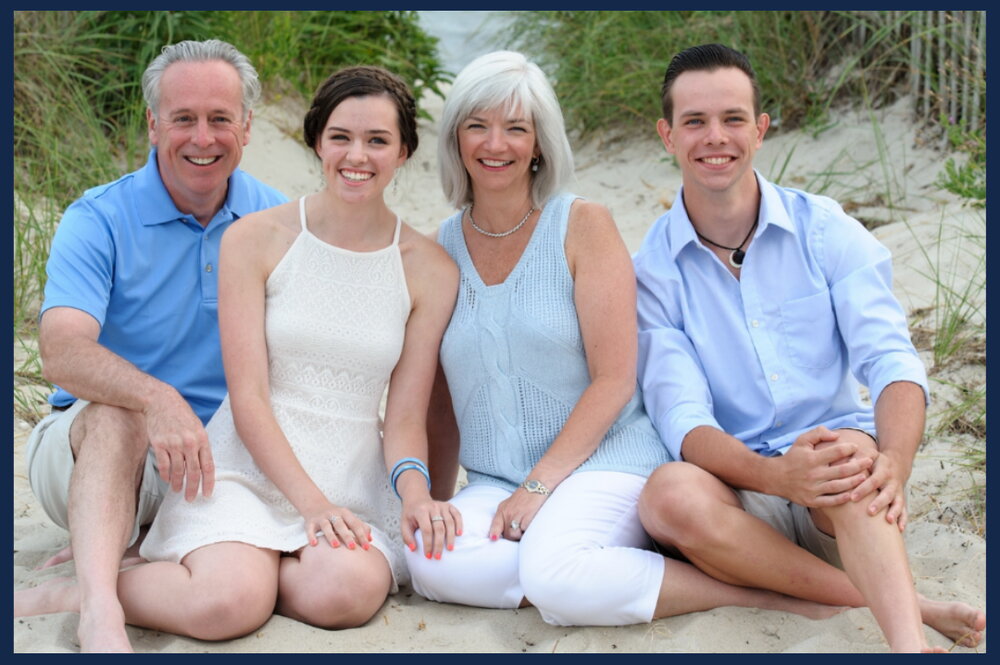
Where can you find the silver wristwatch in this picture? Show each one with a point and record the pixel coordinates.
(535, 487)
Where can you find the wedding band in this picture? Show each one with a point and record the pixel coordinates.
(437, 518)
(515, 525)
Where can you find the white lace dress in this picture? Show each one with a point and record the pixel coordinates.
(334, 323)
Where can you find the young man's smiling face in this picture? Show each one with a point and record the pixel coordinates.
(714, 132)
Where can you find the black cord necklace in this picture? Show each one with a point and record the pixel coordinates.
(737, 254)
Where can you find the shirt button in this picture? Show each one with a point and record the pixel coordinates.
(755, 323)
(208, 267)
(774, 377)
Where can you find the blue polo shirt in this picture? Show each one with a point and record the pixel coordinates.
(127, 256)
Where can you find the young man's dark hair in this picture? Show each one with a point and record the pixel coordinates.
(707, 57)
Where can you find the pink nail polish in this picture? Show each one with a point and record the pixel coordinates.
(413, 547)
(350, 546)
(451, 547)
(493, 536)
(437, 556)
(428, 555)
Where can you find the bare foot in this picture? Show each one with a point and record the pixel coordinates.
(102, 630)
(957, 621)
(65, 554)
(59, 594)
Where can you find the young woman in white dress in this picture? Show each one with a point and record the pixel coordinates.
(322, 302)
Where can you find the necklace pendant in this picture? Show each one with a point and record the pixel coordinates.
(736, 258)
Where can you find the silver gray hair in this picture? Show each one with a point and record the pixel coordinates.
(508, 80)
(192, 51)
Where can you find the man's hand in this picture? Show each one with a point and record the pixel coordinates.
(819, 470)
(181, 446)
(888, 484)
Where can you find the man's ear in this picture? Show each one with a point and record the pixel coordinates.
(151, 126)
(246, 127)
(763, 122)
(663, 129)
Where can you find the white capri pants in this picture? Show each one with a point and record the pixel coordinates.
(583, 561)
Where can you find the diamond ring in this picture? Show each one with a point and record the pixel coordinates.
(515, 525)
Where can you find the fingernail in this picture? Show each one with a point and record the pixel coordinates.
(458, 533)
(369, 538)
(350, 546)
(428, 555)
(437, 556)
(336, 543)
(451, 547)
(413, 547)
(365, 546)
(493, 536)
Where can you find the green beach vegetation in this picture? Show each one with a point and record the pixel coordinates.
(78, 114)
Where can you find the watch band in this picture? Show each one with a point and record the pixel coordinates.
(535, 487)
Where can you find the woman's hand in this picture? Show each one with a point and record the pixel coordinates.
(515, 513)
(338, 525)
(438, 521)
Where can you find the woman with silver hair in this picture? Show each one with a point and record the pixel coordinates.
(540, 403)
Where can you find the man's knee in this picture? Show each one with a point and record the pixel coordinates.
(103, 427)
(677, 497)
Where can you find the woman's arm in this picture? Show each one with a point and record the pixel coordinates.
(432, 279)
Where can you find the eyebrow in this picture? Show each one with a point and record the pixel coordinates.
(732, 111)
(367, 131)
(508, 120)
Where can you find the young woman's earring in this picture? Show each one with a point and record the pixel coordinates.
(534, 164)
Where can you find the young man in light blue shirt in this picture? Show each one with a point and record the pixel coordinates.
(761, 308)
(129, 328)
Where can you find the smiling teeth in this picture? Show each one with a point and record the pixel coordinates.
(201, 161)
(715, 160)
(356, 177)
(494, 163)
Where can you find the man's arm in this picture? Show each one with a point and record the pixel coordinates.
(73, 359)
(808, 474)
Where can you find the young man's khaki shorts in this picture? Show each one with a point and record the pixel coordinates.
(792, 520)
(49, 458)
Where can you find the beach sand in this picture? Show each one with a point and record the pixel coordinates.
(637, 180)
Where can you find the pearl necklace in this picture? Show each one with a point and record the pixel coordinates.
(498, 235)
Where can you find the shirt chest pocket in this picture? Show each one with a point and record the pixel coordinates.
(809, 329)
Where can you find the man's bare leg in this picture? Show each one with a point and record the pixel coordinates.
(687, 508)
(686, 589)
(109, 444)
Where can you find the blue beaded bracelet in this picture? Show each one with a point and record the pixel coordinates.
(392, 474)
(399, 470)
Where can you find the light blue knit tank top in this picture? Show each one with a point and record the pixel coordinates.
(516, 367)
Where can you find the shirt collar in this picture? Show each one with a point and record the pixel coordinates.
(680, 232)
(159, 208)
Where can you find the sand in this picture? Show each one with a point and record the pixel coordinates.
(926, 230)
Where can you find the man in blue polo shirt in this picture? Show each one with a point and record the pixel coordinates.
(760, 310)
(129, 329)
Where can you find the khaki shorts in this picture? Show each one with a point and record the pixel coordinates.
(794, 522)
(49, 458)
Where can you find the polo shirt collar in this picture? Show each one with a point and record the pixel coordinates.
(681, 233)
(161, 208)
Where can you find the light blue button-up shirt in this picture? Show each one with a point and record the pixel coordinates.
(147, 273)
(782, 349)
